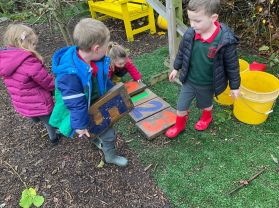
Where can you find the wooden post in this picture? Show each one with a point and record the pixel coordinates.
(174, 11)
(161, 10)
(173, 14)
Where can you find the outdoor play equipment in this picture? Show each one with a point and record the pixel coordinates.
(126, 10)
(162, 23)
(225, 98)
(258, 93)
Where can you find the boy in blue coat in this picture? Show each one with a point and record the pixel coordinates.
(81, 78)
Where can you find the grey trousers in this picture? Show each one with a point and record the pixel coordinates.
(189, 91)
(50, 130)
(107, 139)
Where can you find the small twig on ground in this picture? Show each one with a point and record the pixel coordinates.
(128, 141)
(43, 130)
(44, 135)
(247, 182)
(10, 166)
(71, 198)
(102, 201)
(147, 167)
(155, 167)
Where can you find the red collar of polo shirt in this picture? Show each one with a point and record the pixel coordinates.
(212, 37)
(92, 64)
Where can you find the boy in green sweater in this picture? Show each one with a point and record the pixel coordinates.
(207, 60)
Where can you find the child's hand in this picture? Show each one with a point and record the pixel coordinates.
(172, 75)
(82, 132)
(235, 93)
(139, 81)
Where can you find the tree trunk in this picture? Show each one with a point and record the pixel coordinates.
(61, 20)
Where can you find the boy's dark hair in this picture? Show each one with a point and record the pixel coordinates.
(210, 7)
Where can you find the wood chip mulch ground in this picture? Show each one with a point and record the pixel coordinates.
(67, 174)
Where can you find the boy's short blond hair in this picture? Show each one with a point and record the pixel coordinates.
(210, 7)
(89, 32)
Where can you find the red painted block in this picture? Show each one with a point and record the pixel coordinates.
(148, 108)
(143, 97)
(158, 123)
(134, 87)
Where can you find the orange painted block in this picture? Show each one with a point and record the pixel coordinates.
(134, 87)
(143, 97)
(148, 108)
(158, 123)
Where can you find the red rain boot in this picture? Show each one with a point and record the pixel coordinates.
(204, 121)
(179, 126)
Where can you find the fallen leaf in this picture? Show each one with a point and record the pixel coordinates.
(63, 164)
(264, 48)
(274, 159)
(2, 205)
(101, 164)
(161, 33)
(54, 172)
(8, 198)
(245, 182)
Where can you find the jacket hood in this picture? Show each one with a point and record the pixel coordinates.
(63, 61)
(228, 36)
(11, 59)
(66, 61)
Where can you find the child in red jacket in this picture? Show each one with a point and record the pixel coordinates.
(121, 64)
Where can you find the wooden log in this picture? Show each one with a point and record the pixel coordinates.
(158, 78)
(111, 107)
(148, 108)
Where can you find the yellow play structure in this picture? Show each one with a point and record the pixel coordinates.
(126, 10)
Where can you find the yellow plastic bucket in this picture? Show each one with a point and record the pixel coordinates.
(162, 23)
(224, 98)
(258, 93)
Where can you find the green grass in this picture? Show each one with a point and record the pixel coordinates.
(198, 169)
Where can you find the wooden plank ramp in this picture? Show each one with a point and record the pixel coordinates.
(152, 115)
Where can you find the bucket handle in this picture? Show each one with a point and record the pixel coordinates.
(254, 100)
(265, 113)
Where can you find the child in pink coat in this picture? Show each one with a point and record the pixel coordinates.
(27, 81)
(121, 64)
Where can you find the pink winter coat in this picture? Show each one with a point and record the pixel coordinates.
(27, 81)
